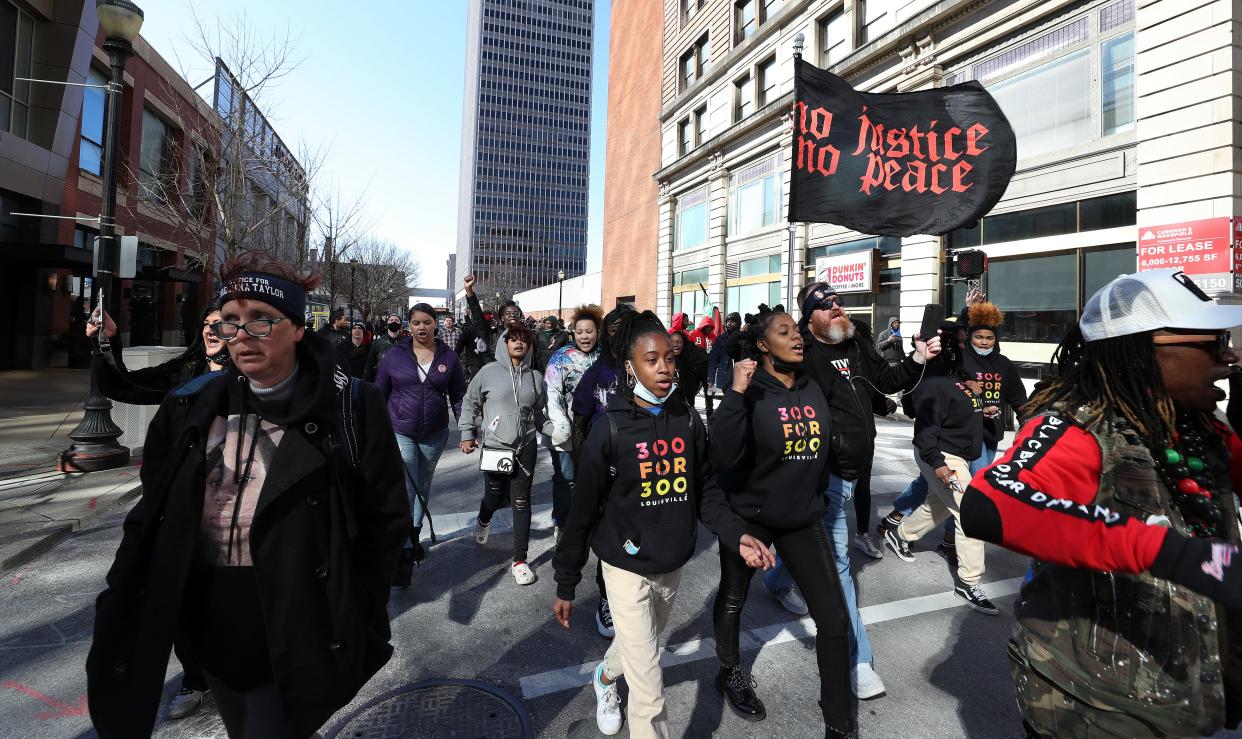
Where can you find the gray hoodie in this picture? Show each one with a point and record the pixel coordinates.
(489, 412)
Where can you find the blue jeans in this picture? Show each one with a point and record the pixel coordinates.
(778, 580)
(420, 457)
(916, 492)
(562, 485)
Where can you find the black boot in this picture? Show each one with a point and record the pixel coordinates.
(739, 692)
(834, 733)
(404, 573)
(419, 553)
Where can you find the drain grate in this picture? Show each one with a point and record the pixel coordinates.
(439, 709)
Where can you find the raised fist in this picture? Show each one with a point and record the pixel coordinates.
(468, 283)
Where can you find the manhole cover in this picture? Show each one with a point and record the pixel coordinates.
(439, 709)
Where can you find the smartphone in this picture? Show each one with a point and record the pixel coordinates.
(933, 316)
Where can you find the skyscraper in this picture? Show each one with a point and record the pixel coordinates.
(522, 210)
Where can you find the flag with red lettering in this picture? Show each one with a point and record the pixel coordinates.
(896, 164)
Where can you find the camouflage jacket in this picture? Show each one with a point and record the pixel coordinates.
(1131, 643)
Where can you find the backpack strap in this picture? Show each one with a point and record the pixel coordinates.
(616, 452)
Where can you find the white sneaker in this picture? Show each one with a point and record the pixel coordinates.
(867, 683)
(522, 573)
(607, 704)
(791, 601)
(863, 543)
(185, 702)
(480, 531)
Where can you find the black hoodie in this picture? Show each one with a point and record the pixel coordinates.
(948, 419)
(638, 497)
(1002, 387)
(773, 446)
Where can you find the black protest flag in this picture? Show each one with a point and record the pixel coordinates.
(896, 164)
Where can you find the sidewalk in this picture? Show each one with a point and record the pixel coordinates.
(38, 505)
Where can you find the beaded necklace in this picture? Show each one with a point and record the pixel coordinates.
(1181, 465)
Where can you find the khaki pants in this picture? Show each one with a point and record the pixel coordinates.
(941, 503)
(640, 608)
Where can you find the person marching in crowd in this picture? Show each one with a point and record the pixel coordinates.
(843, 361)
(381, 343)
(504, 408)
(889, 342)
(773, 444)
(1002, 384)
(565, 369)
(549, 339)
(270, 520)
(420, 379)
(449, 334)
(646, 481)
(720, 362)
(354, 352)
(595, 389)
(948, 433)
(704, 335)
(691, 366)
(148, 386)
(1121, 486)
(336, 330)
(478, 334)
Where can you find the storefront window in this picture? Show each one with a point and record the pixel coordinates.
(1100, 266)
(1039, 296)
(745, 299)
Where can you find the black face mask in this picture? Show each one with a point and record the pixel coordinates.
(394, 327)
(221, 357)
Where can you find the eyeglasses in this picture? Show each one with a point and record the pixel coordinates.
(259, 328)
(1215, 344)
(828, 302)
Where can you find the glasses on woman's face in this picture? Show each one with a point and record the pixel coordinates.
(1215, 344)
(259, 328)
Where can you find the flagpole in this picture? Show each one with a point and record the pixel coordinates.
(798, 44)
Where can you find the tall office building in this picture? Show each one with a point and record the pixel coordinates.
(522, 210)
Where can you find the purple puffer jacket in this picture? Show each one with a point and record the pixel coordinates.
(417, 408)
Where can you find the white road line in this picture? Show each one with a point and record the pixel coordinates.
(575, 677)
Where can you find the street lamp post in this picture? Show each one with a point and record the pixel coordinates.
(95, 445)
(353, 300)
(498, 304)
(560, 295)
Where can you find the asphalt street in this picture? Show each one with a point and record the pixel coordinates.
(465, 617)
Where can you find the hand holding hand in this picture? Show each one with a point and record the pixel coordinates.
(757, 555)
(468, 446)
(563, 610)
(743, 373)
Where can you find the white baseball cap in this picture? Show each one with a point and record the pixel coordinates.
(1153, 300)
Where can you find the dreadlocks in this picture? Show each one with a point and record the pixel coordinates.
(617, 316)
(1119, 372)
(621, 343)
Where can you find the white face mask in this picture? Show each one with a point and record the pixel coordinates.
(984, 352)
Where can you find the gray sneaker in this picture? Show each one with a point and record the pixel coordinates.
(480, 531)
(863, 543)
(185, 702)
(791, 601)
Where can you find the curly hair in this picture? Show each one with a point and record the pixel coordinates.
(519, 330)
(592, 313)
(757, 326)
(984, 315)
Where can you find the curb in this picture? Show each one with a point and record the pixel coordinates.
(47, 537)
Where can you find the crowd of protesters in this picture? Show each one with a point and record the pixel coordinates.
(288, 479)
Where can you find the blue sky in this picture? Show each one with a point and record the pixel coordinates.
(380, 84)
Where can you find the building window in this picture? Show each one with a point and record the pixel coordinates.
(700, 126)
(753, 198)
(688, 295)
(1117, 84)
(90, 152)
(1049, 107)
(689, 8)
(834, 38)
(1109, 211)
(685, 142)
(196, 201)
(767, 81)
(155, 159)
(16, 60)
(744, 97)
(693, 63)
(691, 223)
(746, 14)
(1038, 294)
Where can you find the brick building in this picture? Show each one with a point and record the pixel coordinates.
(631, 208)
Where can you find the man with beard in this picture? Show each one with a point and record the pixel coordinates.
(843, 360)
(381, 344)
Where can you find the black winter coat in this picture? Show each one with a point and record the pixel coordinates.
(324, 542)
